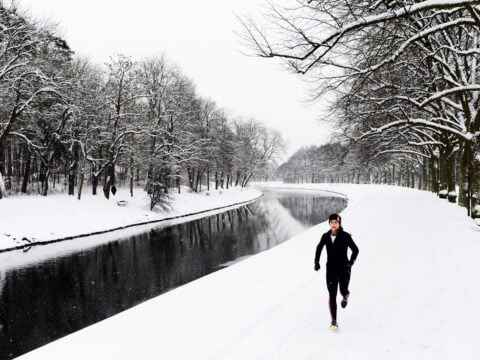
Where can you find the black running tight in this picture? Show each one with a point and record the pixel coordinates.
(336, 277)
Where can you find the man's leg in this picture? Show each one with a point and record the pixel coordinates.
(344, 280)
(332, 285)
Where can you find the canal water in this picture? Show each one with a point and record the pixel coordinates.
(51, 298)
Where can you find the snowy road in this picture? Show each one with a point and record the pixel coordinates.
(414, 296)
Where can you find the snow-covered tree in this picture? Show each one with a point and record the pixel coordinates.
(34, 62)
(122, 93)
(405, 72)
(255, 148)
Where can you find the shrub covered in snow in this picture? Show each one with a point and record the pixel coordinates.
(452, 196)
(443, 194)
(476, 212)
(158, 196)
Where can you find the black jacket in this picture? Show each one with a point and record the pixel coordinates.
(337, 252)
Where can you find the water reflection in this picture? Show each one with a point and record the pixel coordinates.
(42, 302)
(310, 209)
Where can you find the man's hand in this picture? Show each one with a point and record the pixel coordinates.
(317, 267)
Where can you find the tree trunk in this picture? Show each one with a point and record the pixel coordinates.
(424, 176)
(191, 176)
(469, 186)
(198, 180)
(2, 187)
(208, 179)
(433, 174)
(80, 185)
(109, 180)
(45, 182)
(443, 169)
(106, 188)
(131, 176)
(178, 182)
(9, 174)
(72, 169)
(150, 172)
(237, 181)
(246, 179)
(94, 182)
(450, 168)
(2, 161)
(26, 171)
(112, 179)
(407, 176)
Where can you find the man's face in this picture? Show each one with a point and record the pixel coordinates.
(334, 225)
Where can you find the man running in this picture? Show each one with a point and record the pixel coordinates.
(337, 242)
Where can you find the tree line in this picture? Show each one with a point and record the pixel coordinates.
(66, 122)
(337, 163)
(405, 75)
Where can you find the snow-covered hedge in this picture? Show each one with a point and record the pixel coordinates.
(443, 194)
(452, 196)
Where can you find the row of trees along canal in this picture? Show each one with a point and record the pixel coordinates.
(405, 78)
(65, 120)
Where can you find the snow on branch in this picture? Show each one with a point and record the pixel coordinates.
(400, 151)
(414, 39)
(441, 94)
(320, 47)
(30, 144)
(417, 122)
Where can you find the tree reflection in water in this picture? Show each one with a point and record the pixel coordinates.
(311, 209)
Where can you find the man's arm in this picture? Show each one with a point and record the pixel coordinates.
(354, 248)
(318, 252)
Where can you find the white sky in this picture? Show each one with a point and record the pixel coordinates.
(199, 37)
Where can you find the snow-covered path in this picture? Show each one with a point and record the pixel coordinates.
(414, 296)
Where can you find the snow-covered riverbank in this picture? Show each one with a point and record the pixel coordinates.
(414, 295)
(25, 220)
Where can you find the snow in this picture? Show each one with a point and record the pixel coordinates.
(414, 295)
(35, 219)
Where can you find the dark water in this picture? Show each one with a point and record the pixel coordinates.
(46, 300)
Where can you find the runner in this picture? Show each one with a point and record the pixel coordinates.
(339, 266)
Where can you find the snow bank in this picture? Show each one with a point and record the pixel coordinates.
(26, 220)
(412, 295)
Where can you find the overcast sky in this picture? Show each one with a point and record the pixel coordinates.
(199, 37)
